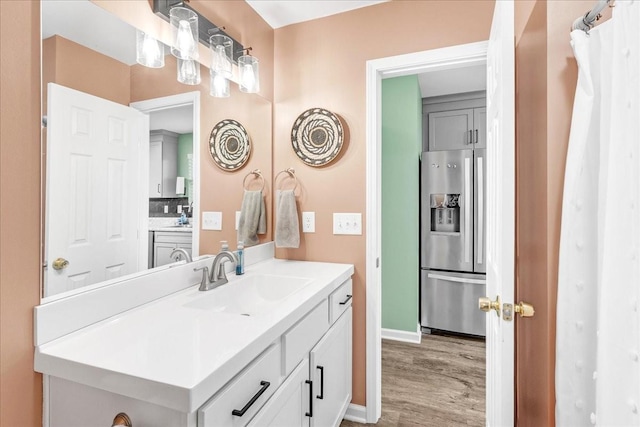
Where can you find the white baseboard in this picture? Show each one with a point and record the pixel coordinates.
(356, 413)
(404, 336)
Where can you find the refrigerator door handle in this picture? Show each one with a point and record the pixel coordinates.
(480, 230)
(456, 279)
(467, 210)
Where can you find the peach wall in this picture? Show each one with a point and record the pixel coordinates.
(20, 386)
(321, 63)
(534, 398)
(546, 80)
(220, 190)
(83, 69)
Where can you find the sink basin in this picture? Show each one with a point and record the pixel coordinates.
(249, 295)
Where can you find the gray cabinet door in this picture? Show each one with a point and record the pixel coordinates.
(451, 130)
(480, 127)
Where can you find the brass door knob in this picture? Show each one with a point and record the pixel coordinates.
(485, 304)
(123, 420)
(60, 263)
(525, 310)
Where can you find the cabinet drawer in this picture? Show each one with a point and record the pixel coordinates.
(340, 301)
(172, 237)
(246, 387)
(298, 340)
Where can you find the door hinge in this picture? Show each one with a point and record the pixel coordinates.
(378, 262)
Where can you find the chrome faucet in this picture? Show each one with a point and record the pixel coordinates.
(181, 253)
(218, 276)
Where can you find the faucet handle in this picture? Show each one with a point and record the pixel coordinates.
(205, 277)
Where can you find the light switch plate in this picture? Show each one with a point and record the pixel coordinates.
(347, 223)
(212, 220)
(308, 222)
(237, 220)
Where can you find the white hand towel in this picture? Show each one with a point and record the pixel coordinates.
(252, 218)
(180, 185)
(287, 225)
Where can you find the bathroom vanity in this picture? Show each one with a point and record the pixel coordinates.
(271, 347)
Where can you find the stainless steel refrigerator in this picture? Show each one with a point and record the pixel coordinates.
(452, 240)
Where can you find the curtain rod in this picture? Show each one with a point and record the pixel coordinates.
(586, 22)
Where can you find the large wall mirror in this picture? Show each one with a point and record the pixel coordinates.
(107, 220)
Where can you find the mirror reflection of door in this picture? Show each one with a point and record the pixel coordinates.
(94, 154)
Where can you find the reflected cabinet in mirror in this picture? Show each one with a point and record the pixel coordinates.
(126, 155)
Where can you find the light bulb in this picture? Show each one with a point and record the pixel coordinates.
(185, 42)
(219, 85)
(149, 51)
(248, 78)
(188, 71)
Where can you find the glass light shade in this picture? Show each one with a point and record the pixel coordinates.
(218, 85)
(149, 51)
(221, 48)
(188, 71)
(249, 74)
(184, 33)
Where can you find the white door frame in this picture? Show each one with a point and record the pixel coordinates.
(378, 69)
(172, 101)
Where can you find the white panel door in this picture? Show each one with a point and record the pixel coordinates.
(93, 188)
(500, 213)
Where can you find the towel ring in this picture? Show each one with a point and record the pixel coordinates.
(292, 174)
(258, 174)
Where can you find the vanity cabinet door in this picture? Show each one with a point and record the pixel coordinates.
(330, 371)
(290, 405)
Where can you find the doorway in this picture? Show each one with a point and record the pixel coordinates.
(180, 114)
(498, 54)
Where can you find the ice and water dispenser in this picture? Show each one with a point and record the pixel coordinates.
(445, 213)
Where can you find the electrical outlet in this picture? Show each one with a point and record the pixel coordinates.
(179, 210)
(166, 208)
(308, 222)
(212, 220)
(237, 220)
(347, 223)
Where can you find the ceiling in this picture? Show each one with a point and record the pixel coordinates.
(286, 12)
(453, 80)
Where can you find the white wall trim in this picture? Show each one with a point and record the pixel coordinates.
(356, 413)
(403, 336)
(377, 69)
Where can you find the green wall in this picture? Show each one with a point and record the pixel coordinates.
(401, 146)
(185, 147)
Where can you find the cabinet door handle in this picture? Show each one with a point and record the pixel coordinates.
(476, 140)
(347, 300)
(158, 188)
(470, 136)
(265, 385)
(310, 413)
(321, 395)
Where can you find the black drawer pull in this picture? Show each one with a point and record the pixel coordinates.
(347, 300)
(321, 395)
(310, 413)
(265, 385)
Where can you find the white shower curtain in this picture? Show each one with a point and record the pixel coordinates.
(598, 311)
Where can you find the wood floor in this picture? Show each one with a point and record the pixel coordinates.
(440, 382)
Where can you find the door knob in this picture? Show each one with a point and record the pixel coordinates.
(60, 264)
(485, 304)
(525, 310)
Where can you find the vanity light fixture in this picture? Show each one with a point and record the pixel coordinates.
(218, 85)
(189, 71)
(249, 73)
(184, 32)
(149, 51)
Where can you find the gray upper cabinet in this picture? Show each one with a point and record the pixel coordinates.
(163, 163)
(480, 125)
(455, 122)
(451, 130)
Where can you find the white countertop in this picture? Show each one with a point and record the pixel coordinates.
(173, 228)
(176, 355)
